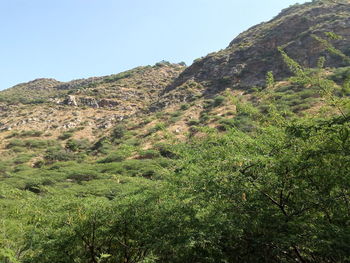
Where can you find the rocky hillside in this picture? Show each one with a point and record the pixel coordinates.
(95, 103)
(180, 98)
(139, 81)
(247, 59)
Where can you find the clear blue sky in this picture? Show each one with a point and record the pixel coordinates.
(69, 39)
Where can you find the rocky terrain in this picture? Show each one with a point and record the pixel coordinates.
(247, 59)
(241, 157)
(97, 104)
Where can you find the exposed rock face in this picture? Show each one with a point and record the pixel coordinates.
(90, 102)
(107, 103)
(70, 100)
(245, 62)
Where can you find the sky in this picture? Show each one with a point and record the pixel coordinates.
(72, 39)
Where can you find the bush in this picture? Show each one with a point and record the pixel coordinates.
(37, 143)
(184, 106)
(193, 122)
(23, 158)
(226, 124)
(132, 142)
(149, 154)
(15, 143)
(119, 132)
(218, 100)
(341, 74)
(57, 154)
(176, 114)
(82, 175)
(113, 157)
(31, 133)
(225, 81)
(77, 145)
(204, 117)
(159, 126)
(65, 136)
(244, 123)
(33, 187)
(208, 103)
(31, 144)
(103, 146)
(165, 150)
(140, 168)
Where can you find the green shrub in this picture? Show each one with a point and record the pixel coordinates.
(208, 103)
(244, 123)
(15, 143)
(77, 145)
(308, 93)
(176, 114)
(193, 122)
(81, 175)
(158, 127)
(57, 154)
(113, 157)
(218, 100)
(103, 145)
(117, 77)
(193, 130)
(149, 154)
(341, 74)
(30, 144)
(159, 114)
(132, 142)
(204, 117)
(18, 149)
(140, 168)
(174, 119)
(119, 132)
(33, 187)
(4, 166)
(31, 133)
(33, 144)
(184, 106)
(226, 124)
(165, 150)
(65, 136)
(23, 158)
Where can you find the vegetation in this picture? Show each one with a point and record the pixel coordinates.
(276, 193)
(261, 175)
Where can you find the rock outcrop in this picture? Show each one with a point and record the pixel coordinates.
(89, 102)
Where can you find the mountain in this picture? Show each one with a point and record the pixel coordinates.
(305, 32)
(243, 156)
(247, 59)
(99, 102)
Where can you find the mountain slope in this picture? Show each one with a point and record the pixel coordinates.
(99, 103)
(247, 59)
(95, 103)
(146, 166)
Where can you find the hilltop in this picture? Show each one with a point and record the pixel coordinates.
(99, 103)
(247, 59)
